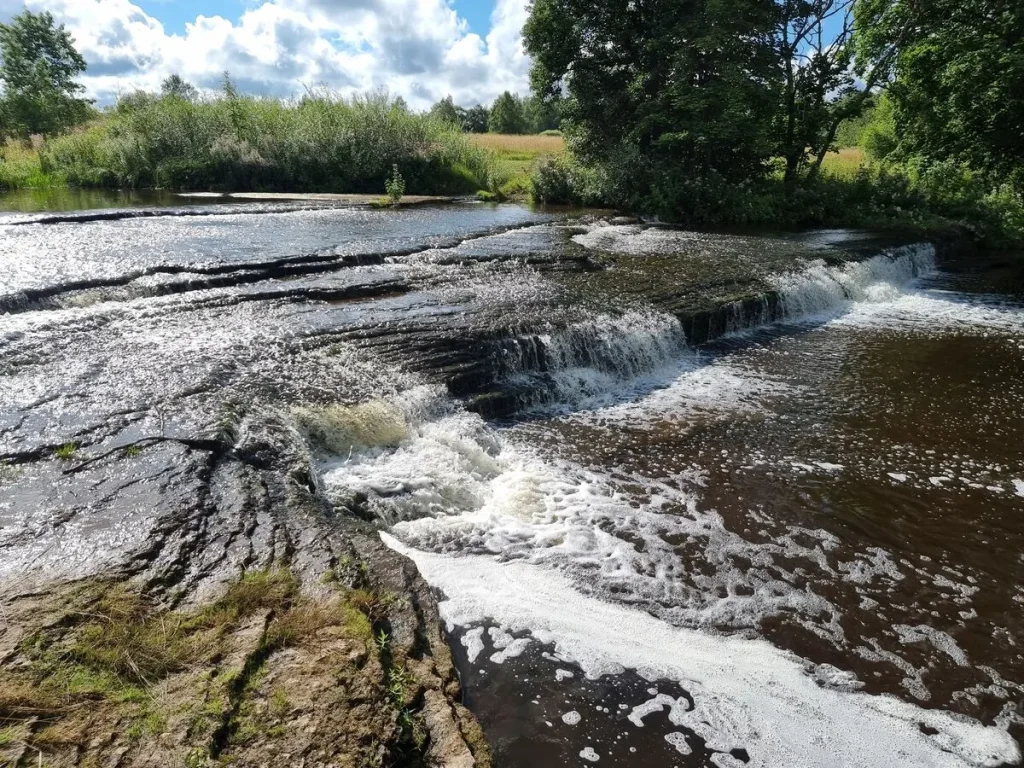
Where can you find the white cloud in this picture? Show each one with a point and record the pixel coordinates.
(420, 49)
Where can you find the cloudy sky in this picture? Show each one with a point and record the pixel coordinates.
(420, 49)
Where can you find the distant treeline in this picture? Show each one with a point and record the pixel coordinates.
(510, 113)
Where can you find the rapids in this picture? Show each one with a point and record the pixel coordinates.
(687, 499)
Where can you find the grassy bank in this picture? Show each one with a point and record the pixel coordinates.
(850, 191)
(240, 143)
(513, 158)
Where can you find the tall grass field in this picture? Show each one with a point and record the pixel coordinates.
(321, 143)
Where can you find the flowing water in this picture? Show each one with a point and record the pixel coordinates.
(687, 499)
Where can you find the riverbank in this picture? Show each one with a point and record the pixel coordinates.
(321, 143)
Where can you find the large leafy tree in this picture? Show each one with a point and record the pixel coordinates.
(38, 70)
(812, 39)
(446, 111)
(476, 119)
(685, 86)
(507, 115)
(957, 68)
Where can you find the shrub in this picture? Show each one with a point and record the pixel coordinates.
(395, 186)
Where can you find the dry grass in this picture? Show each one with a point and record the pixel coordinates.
(843, 164)
(534, 145)
(106, 659)
(514, 158)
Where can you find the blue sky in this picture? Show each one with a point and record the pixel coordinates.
(422, 50)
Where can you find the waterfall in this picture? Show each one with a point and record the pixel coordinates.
(607, 352)
(821, 288)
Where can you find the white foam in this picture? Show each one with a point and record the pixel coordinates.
(819, 288)
(929, 312)
(748, 694)
(589, 755)
(1018, 487)
(678, 740)
(474, 643)
(572, 718)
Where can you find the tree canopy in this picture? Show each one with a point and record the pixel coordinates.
(38, 67)
(507, 115)
(446, 111)
(957, 69)
(632, 87)
(175, 86)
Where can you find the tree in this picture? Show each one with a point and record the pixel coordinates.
(446, 111)
(476, 119)
(541, 114)
(38, 70)
(956, 69)
(680, 87)
(819, 90)
(507, 115)
(178, 88)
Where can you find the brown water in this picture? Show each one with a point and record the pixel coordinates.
(851, 489)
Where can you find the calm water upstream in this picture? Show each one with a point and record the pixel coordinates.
(798, 544)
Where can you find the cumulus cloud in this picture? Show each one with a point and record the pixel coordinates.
(419, 49)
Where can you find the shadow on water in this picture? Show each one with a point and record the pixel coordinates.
(64, 199)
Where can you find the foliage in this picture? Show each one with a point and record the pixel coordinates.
(175, 86)
(319, 143)
(912, 196)
(878, 137)
(395, 186)
(476, 119)
(507, 115)
(635, 93)
(20, 167)
(445, 111)
(819, 89)
(38, 70)
(957, 73)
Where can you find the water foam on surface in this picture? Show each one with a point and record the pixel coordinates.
(747, 694)
(819, 288)
(607, 358)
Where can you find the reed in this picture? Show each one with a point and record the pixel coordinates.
(320, 143)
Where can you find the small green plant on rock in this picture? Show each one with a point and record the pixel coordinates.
(66, 451)
(394, 187)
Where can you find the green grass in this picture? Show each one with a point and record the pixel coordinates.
(66, 451)
(321, 143)
(21, 168)
(514, 158)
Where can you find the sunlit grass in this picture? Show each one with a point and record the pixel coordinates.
(843, 164)
(519, 144)
(514, 157)
(21, 168)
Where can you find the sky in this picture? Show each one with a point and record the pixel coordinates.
(422, 50)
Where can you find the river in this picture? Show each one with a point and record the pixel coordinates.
(685, 499)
